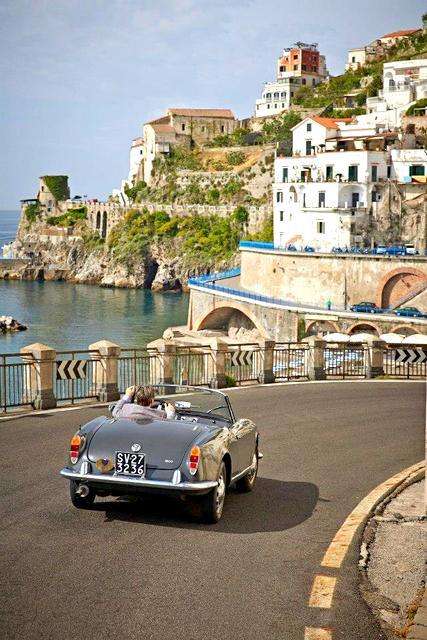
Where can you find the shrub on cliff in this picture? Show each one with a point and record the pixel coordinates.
(70, 218)
(32, 211)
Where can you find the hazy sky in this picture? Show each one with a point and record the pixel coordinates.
(79, 77)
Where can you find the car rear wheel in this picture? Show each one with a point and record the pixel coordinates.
(247, 483)
(213, 502)
(81, 501)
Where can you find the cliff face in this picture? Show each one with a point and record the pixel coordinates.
(57, 254)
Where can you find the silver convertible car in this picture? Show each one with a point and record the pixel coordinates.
(197, 455)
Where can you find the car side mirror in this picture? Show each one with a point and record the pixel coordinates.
(242, 427)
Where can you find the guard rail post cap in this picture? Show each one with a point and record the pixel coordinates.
(162, 346)
(218, 350)
(316, 362)
(106, 348)
(105, 370)
(165, 359)
(40, 376)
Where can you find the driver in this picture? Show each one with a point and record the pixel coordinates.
(138, 402)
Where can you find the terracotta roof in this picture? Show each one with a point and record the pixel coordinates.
(162, 120)
(203, 113)
(330, 123)
(399, 34)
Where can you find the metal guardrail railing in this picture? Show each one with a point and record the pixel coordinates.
(78, 375)
(291, 361)
(344, 362)
(18, 381)
(137, 366)
(394, 368)
(212, 277)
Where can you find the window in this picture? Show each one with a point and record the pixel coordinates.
(376, 196)
(275, 106)
(313, 81)
(281, 214)
(295, 67)
(417, 170)
(292, 94)
(389, 171)
(268, 95)
(307, 147)
(353, 227)
(283, 94)
(304, 67)
(276, 95)
(283, 105)
(355, 199)
(183, 127)
(282, 68)
(268, 106)
(353, 58)
(303, 201)
(285, 174)
(295, 56)
(374, 173)
(352, 173)
(203, 128)
(320, 226)
(309, 126)
(322, 199)
(329, 172)
(279, 196)
(222, 128)
(141, 152)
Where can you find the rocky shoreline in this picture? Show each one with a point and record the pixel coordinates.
(7, 323)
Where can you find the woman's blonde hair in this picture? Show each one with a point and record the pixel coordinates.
(144, 395)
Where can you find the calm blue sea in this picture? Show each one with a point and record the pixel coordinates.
(69, 316)
(8, 225)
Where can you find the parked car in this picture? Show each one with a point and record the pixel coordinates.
(336, 250)
(291, 247)
(410, 250)
(396, 251)
(197, 455)
(410, 312)
(366, 307)
(308, 249)
(380, 251)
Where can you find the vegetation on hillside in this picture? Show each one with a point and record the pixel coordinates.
(58, 186)
(70, 218)
(332, 92)
(32, 211)
(420, 104)
(199, 240)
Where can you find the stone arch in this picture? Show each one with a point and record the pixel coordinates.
(225, 315)
(98, 220)
(364, 327)
(397, 283)
(405, 330)
(316, 327)
(104, 225)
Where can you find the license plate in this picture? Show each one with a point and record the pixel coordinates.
(130, 464)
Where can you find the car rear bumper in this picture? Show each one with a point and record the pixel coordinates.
(138, 484)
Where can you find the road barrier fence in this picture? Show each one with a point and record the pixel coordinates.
(39, 377)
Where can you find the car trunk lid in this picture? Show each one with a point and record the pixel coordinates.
(164, 442)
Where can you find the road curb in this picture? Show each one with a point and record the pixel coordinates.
(369, 592)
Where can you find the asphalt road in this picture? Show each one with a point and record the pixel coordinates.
(144, 570)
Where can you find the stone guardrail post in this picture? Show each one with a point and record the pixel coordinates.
(266, 373)
(40, 377)
(316, 358)
(374, 363)
(218, 351)
(105, 374)
(164, 363)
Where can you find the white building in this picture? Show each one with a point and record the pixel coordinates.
(404, 82)
(323, 194)
(297, 66)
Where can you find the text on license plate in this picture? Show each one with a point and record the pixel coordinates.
(130, 464)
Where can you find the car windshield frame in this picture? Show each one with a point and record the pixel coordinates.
(173, 391)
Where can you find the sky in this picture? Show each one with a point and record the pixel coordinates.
(78, 78)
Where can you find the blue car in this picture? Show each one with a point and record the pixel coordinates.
(410, 312)
(308, 249)
(336, 250)
(366, 307)
(291, 247)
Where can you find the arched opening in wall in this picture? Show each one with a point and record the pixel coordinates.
(293, 194)
(98, 220)
(404, 330)
(104, 225)
(321, 328)
(151, 272)
(363, 327)
(400, 286)
(230, 321)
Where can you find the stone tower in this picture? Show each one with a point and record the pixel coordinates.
(52, 189)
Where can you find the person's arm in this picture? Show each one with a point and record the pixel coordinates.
(126, 399)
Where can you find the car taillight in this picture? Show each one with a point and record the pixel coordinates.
(193, 460)
(76, 446)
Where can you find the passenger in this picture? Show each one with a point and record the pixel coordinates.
(138, 402)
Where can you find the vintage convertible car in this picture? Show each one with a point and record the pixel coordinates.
(197, 455)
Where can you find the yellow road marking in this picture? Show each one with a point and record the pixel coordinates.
(339, 546)
(314, 633)
(322, 592)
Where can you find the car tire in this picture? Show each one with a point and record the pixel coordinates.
(247, 483)
(213, 502)
(78, 501)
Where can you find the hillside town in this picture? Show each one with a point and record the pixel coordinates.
(340, 183)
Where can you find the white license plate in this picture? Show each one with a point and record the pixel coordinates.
(130, 464)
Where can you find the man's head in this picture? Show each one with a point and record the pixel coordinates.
(144, 395)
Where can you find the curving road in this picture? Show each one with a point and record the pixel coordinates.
(143, 570)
